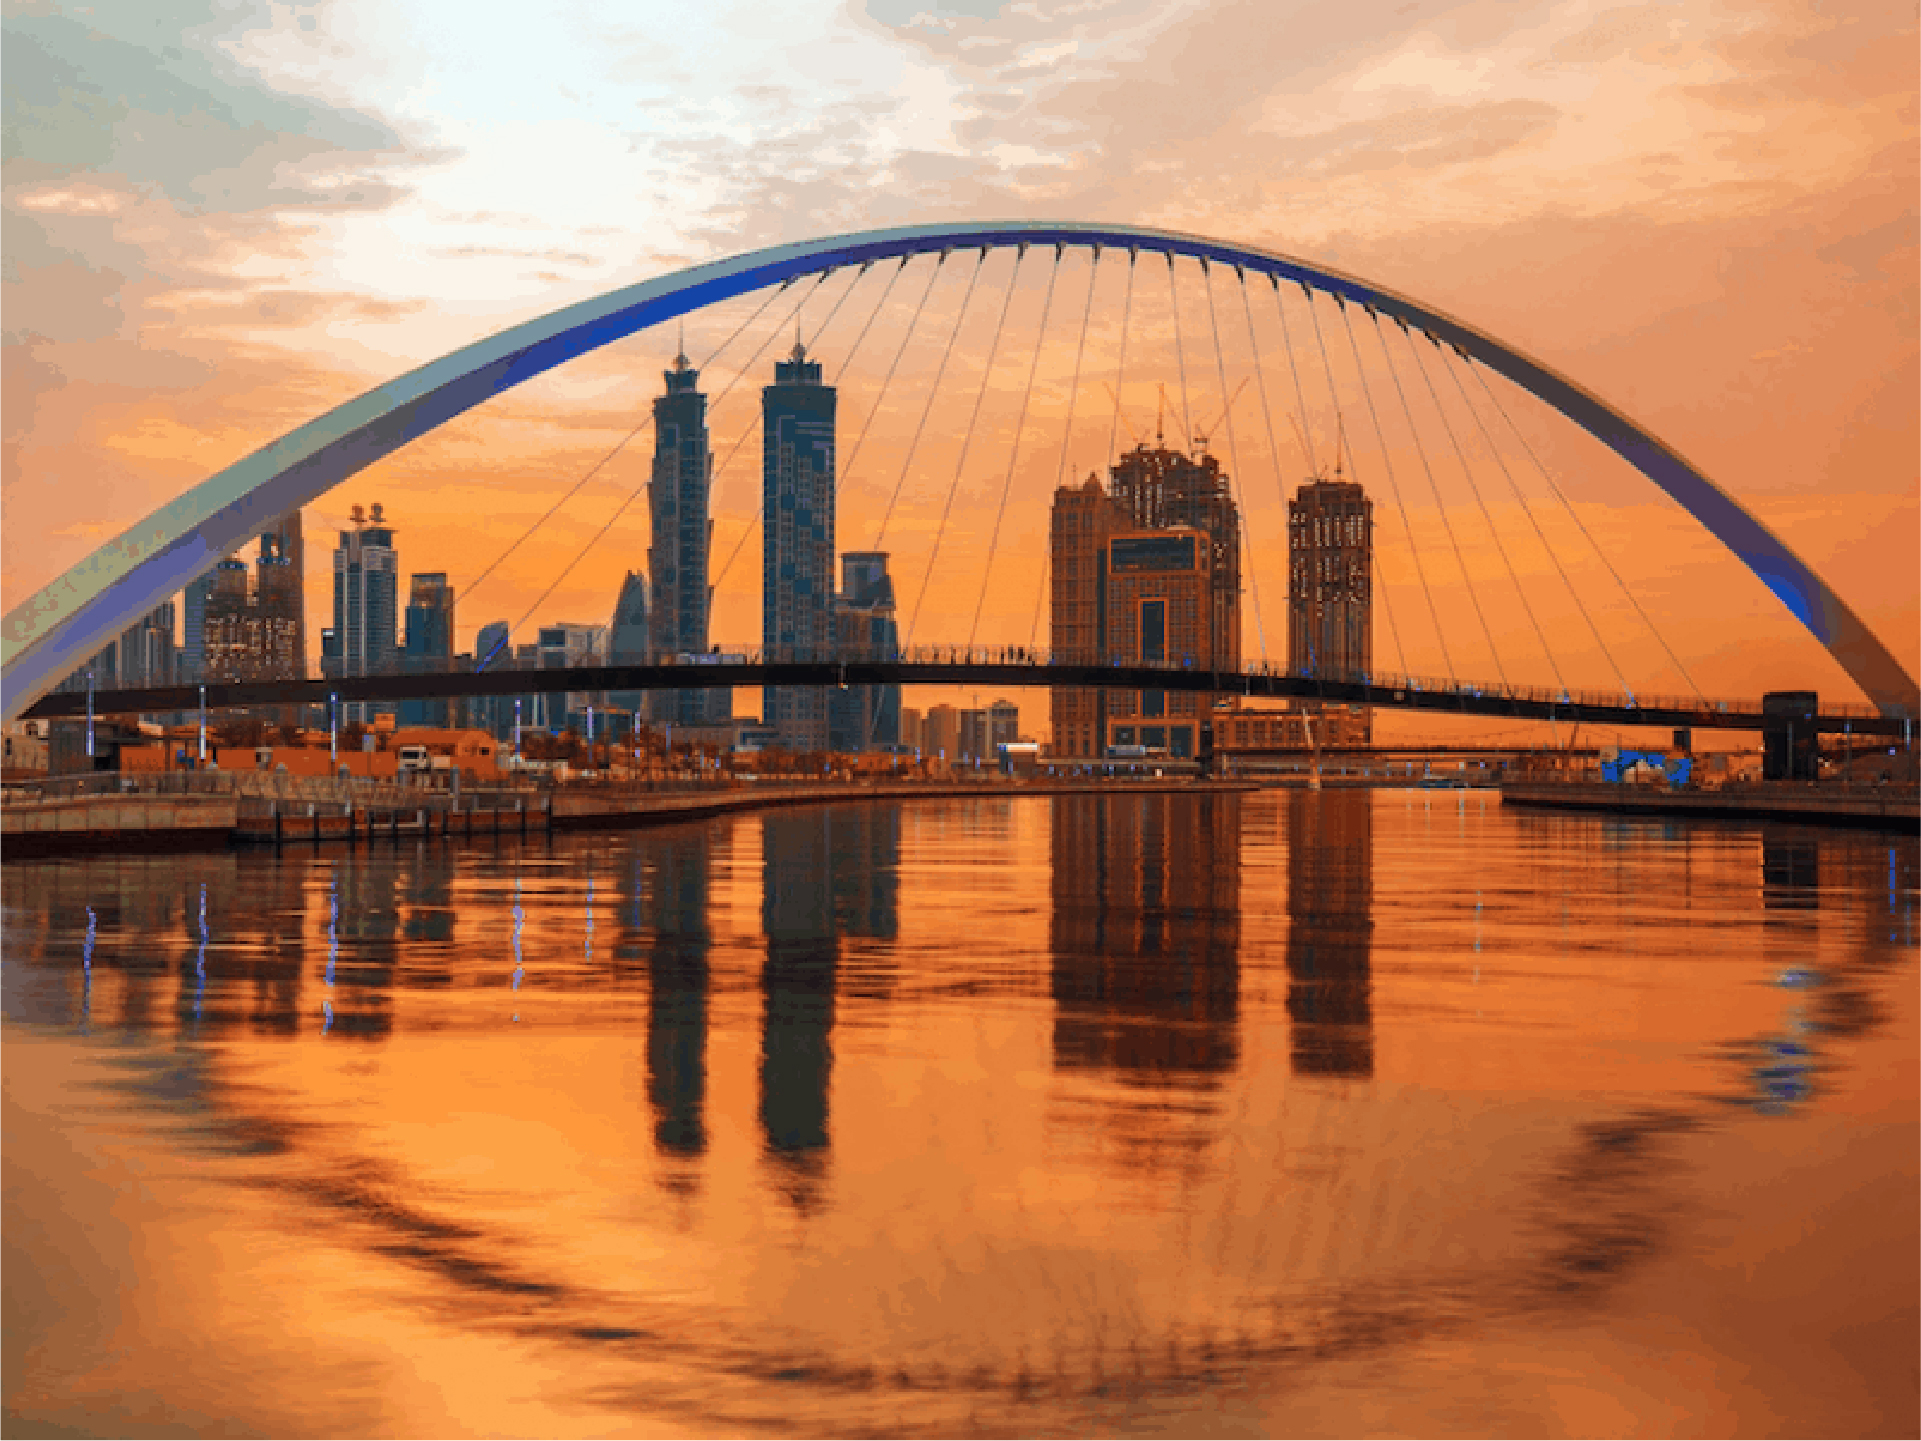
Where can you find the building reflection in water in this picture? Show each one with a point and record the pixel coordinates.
(364, 944)
(1330, 911)
(246, 925)
(1145, 937)
(675, 879)
(1790, 870)
(828, 872)
(1828, 996)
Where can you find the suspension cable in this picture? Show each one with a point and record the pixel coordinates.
(1234, 456)
(1300, 396)
(967, 440)
(933, 391)
(1180, 360)
(1067, 435)
(1632, 600)
(1387, 609)
(1394, 485)
(1447, 525)
(1040, 595)
(1120, 370)
(625, 440)
(821, 329)
(933, 274)
(1074, 389)
(1260, 384)
(634, 494)
(1454, 373)
(1486, 514)
(1020, 425)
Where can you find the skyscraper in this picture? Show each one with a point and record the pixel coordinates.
(1160, 489)
(366, 603)
(429, 644)
(193, 630)
(683, 468)
(797, 569)
(865, 717)
(493, 649)
(1330, 553)
(244, 639)
(1083, 517)
(279, 589)
(630, 640)
(282, 581)
(562, 647)
(1147, 570)
(146, 650)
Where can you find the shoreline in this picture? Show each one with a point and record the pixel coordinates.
(154, 824)
(1883, 810)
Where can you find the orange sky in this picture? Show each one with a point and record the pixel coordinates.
(218, 227)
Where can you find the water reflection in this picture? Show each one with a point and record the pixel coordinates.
(673, 883)
(961, 1249)
(1868, 896)
(1790, 870)
(827, 872)
(1145, 937)
(367, 884)
(1330, 911)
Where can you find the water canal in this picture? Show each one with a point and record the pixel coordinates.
(1278, 1113)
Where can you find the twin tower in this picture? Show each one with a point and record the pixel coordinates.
(802, 616)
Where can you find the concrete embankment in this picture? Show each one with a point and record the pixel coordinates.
(1890, 810)
(132, 821)
(116, 823)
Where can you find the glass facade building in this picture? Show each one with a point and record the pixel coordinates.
(865, 717)
(678, 498)
(429, 644)
(797, 567)
(364, 637)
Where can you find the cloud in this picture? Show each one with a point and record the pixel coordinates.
(552, 255)
(185, 120)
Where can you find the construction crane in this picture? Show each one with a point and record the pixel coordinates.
(1139, 439)
(1202, 432)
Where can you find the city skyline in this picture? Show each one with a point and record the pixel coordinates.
(1752, 303)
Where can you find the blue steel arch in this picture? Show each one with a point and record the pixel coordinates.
(46, 636)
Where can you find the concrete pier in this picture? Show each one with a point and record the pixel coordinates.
(1892, 809)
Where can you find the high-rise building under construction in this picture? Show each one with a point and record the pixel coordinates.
(1146, 570)
(1330, 590)
(1330, 554)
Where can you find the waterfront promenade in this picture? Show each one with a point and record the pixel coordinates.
(216, 809)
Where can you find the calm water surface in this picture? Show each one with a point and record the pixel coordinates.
(1346, 1113)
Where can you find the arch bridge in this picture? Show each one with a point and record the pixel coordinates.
(48, 635)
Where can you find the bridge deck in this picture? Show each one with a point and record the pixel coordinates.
(983, 669)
